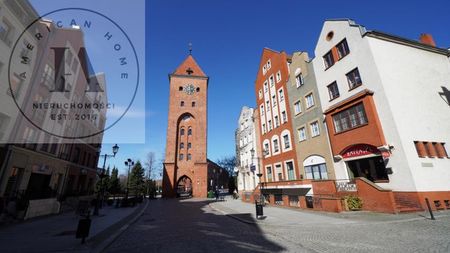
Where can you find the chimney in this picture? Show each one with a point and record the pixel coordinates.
(427, 39)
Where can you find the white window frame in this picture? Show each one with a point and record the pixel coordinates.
(299, 80)
(267, 176)
(286, 169)
(278, 76)
(299, 107)
(288, 133)
(300, 136)
(269, 64)
(313, 134)
(271, 81)
(275, 137)
(266, 152)
(274, 171)
(308, 106)
(260, 94)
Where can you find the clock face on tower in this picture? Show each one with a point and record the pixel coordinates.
(189, 89)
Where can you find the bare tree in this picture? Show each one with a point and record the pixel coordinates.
(150, 164)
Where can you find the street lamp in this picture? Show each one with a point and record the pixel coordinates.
(128, 163)
(259, 207)
(99, 201)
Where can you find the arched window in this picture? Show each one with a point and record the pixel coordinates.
(275, 144)
(182, 131)
(182, 103)
(190, 131)
(189, 157)
(181, 145)
(266, 148)
(286, 140)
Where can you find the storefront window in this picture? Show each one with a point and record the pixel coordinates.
(316, 172)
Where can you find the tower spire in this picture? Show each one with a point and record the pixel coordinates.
(190, 48)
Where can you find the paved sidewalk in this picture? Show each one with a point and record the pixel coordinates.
(345, 232)
(57, 233)
(281, 216)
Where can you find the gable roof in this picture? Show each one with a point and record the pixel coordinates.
(189, 67)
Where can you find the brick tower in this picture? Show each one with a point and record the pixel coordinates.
(186, 164)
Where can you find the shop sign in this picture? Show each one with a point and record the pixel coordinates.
(360, 150)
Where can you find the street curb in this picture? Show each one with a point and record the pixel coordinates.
(232, 216)
(103, 244)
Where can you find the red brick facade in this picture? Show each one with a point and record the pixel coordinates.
(186, 130)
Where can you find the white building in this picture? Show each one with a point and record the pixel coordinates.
(248, 161)
(387, 105)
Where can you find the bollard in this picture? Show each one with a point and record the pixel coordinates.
(429, 209)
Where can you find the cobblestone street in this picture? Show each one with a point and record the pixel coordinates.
(201, 226)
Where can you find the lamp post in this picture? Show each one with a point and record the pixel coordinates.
(259, 207)
(128, 163)
(99, 201)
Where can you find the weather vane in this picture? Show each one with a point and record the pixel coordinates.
(190, 48)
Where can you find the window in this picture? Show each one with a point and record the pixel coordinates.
(328, 59)
(189, 145)
(48, 77)
(281, 94)
(190, 131)
(270, 124)
(264, 128)
(266, 88)
(333, 90)
(309, 100)
(342, 49)
(269, 64)
(180, 88)
(297, 107)
(181, 145)
(182, 131)
(299, 80)
(287, 141)
(264, 69)
(290, 170)
(276, 146)
(189, 157)
(182, 103)
(302, 134)
(354, 79)
(271, 81)
(269, 173)
(262, 110)
(181, 157)
(193, 104)
(266, 148)
(315, 130)
(276, 121)
(274, 101)
(283, 117)
(197, 89)
(260, 93)
(278, 76)
(350, 118)
(16, 85)
(278, 172)
(316, 172)
(6, 30)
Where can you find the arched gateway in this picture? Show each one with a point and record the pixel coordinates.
(184, 187)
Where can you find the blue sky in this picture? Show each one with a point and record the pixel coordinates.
(228, 37)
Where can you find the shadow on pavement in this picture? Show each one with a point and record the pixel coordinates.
(191, 225)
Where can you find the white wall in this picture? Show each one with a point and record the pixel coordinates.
(412, 79)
